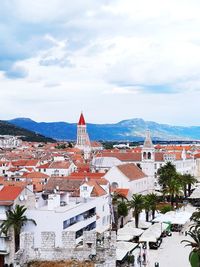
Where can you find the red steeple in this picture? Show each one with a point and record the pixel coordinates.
(81, 120)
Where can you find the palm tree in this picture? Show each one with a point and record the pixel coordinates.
(194, 256)
(153, 199)
(196, 216)
(15, 220)
(137, 204)
(119, 210)
(166, 173)
(147, 206)
(189, 181)
(174, 189)
(122, 210)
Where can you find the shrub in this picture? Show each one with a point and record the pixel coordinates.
(166, 208)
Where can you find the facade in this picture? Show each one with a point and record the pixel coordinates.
(71, 205)
(8, 141)
(147, 158)
(57, 168)
(9, 197)
(99, 250)
(129, 176)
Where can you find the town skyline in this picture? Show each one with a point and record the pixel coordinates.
(114, 60)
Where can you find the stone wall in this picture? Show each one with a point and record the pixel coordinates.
(103, 255)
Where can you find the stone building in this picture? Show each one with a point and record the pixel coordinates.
(99, 249)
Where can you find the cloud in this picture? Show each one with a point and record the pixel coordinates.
(120, 53)
(16, 72)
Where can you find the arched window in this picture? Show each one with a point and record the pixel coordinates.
(149, 155)
(114, 185)
(144, 155)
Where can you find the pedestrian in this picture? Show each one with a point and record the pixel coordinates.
(144, 257)
(139, 259)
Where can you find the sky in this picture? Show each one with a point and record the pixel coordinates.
(111, 59)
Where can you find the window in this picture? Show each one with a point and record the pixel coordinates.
(114, 185)
(84, 188)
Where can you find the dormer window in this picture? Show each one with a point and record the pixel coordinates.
(84, 188)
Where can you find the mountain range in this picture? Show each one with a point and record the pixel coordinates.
(126, 130)
(7, 128)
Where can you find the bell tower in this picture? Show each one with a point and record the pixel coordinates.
(148, 160)
(83, 141)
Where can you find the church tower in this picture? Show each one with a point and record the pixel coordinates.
(83, 141)
(148, 159)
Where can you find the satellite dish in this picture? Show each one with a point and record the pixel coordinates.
(21, 197)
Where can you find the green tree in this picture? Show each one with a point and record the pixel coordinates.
(188, 180)
(171, 182)
(196, 216)
(166, 173)
(147, 206)
(174, 189)
(122, 210)
(119, 209)
(137, 204)
(194, 256)
(15, 220)
(153, 199)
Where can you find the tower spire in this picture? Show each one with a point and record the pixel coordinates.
(81, 119)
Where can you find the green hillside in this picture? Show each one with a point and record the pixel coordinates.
(26, 135)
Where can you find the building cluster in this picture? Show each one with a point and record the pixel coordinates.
(8, 141)
(67, 191)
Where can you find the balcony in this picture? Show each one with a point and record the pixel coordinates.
(81, 224)
(81, 218)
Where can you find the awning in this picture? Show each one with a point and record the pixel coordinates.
(123, 248)
(127, 230)
(142, 224)
(178, 217)
(195, 194)
(154, 232)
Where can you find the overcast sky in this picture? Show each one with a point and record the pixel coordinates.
(113, 60)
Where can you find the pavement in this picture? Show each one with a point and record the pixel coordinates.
(171, 253)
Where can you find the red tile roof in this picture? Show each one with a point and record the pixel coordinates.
(97, 190)
(83, 175)
(122, 191)
(31, 175)
(131, 171)
(10, 193)
(60, 165)
(126, 156)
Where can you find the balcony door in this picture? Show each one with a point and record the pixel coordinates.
(1, 260)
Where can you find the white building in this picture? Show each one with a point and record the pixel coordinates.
(9, 141)
(9, 197)
(82, 206)
(148, 159)
(57, 168)
(129, 176)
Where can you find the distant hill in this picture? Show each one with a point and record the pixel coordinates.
(7, 128)
(126, 130)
